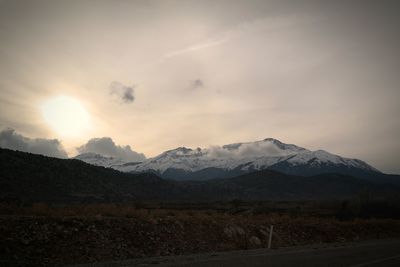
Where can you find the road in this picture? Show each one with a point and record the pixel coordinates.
(372, 253)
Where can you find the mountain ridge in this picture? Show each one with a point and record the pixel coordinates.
(238, 158)
(30, 178)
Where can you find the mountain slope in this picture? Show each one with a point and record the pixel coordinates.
(239, 158)
(100, 160)
(30, 178)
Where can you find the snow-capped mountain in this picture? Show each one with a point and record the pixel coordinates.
(104, 161)
(235, 159)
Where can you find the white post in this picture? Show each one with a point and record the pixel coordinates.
(271, 229)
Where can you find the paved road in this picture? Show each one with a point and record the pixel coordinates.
(371, 253)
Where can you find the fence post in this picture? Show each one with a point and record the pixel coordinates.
(271, 230)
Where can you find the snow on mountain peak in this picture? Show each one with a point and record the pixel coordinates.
(248, 156)
(100, 160)
(181, 151)
(262, 153)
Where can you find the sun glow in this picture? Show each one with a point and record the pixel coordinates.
(65, 115)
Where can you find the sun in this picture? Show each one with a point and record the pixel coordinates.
(65, 115)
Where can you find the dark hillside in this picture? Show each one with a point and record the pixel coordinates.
(29, 178)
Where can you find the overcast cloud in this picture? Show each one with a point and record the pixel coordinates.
(318, 74)
(122, 92)
(48, 147)
(196, 84)
(255, 149)
(106, 146)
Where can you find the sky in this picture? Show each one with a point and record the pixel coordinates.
(146, 76)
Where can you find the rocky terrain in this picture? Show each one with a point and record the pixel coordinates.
(58, 240)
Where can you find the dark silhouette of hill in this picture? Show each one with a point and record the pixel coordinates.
(276, 185)
(30, 178)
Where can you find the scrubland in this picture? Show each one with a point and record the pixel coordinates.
(45, 235)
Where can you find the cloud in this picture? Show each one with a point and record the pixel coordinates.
(251, 26)
(197, 84)
(195, 47)
(243, 150)
(122, 92)
(48, 147)
(106, 146)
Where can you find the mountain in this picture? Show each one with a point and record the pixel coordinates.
(268, 184)
(104, 161)
(100, 160)
(240, 158)
(29, 178)
(35, 178)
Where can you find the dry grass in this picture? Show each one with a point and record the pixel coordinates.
(45, 235)
(108, 210)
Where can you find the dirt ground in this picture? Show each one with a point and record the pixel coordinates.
(59, 240)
